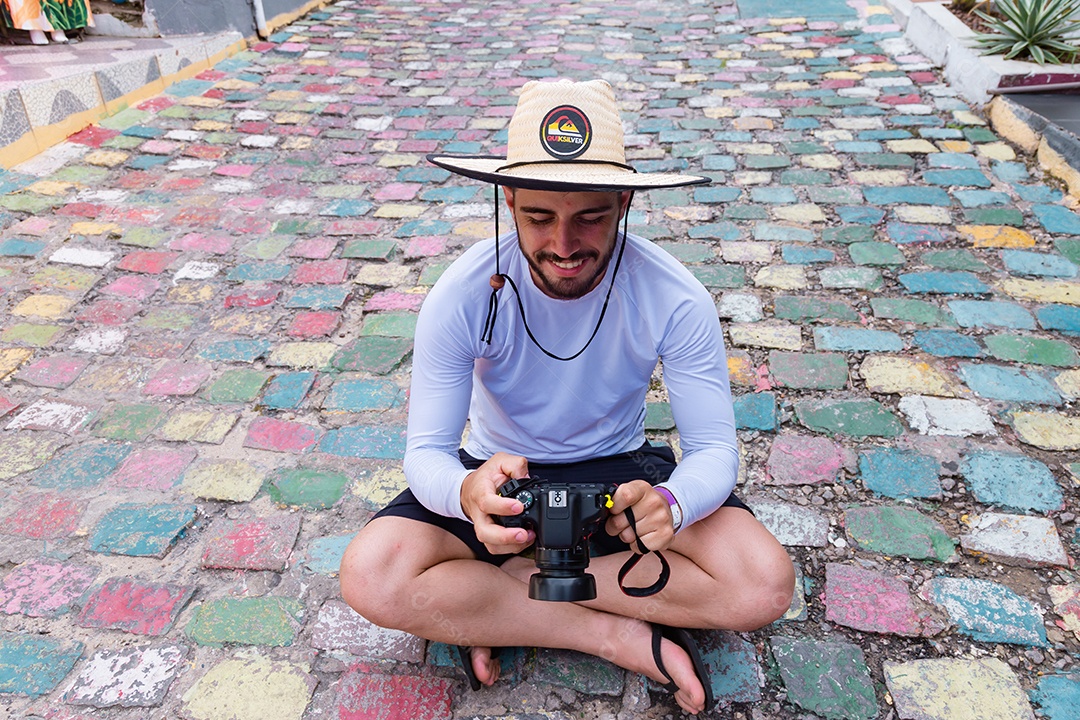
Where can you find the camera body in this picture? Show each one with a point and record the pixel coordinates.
(563, 516)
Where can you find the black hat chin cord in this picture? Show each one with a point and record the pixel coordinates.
(500, 278)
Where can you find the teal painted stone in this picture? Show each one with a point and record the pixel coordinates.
(1064, 318)
(981, 198)
(141, 530)
(400, 325)
(688, 252)
(245, 351)
(1057, 219)
(829, 679)
(845, 339)
(907, 195)
(1011, 480)
(732, 665)
(324, 554)
(360, 395)
(1058, 696)
(259, 272)
(723, 277)
(319, 298)
(919, 312)
(658, 416)
(307, 488)
(1005, 383)
(860, 215)
(421, 228)
(955, 260)
(83, 467)
(1031, 350)
(579, 672)
(957, 178)
(804, 255)
(240, 385)
(898, 473)
(288, 390)
(782, 233)
(801, 309)
(375, 354)
(1069, 247)
(33, 665)
(272, 621)
(991, 313)
(946, 343)
(892, 530)
(986, 611)
(962, 161)
(715, 194)
(816, 371)
(1025, 262)
(716, 231)
(756, 411)
(15, 247)
(876, 253)
(380, 442)
(909, 234)
(369, 249)
(944, 283)
(851, 418)
(994, 216)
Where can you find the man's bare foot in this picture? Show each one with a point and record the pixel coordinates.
(632, 650)
(486, 667)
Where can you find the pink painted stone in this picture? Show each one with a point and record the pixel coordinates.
(280, 435)
(251, 543)
(324, 272)
(35, 226)
(135, 606)
(154, 468)
(44, 516)
(7, 405)
(44, 588)
(425, 246)
(176, 377)
(135, 287)
(875, 602)
(159, 147)
(54, 371)
(364, 695)
(318, 248)
(109, 312)
(199, 242)
(258, 296)
(241, 171)
(390, 300)
(316, 323)
(152, 262)
(355, 227)
(397, 191)
(803, 460)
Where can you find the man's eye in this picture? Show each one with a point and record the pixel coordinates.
(592, 220)
(539, 219)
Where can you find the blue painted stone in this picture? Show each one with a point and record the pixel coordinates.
(917, 120)
(941, 133)
(288, 390)
(189, 88)
(145, 162)
(34, 664)
(15, 247)
(1011, 480)
(316, 297)
(845, 339)
(773, 195)
(259, 272)
(85, 466)
(420, 228)
(723, 163)
(467, 148)
(986, 611)
(756, 411)
(897, 473)
(709, 195)
(907, 233)
(946, 343)
(141, 530)
(782, 233)
(347, 207)
(957, 178)
(801, 124)
(863, 215)
(245, 351)
(1058, 696)
(143, 131)
(884, 135)
(379, 442)
(449, 194)
(1002, 383)
(1064, 318)
(907, 195)
(803, 255)
(1057, 219)
(981, 198)
(324, 554)
(1025, 262)
(1009, 171)
(953, 161)
(361, 395)
(944, 283)
(733, 668)
(1038, 193)
(991, 313)
(857, 146)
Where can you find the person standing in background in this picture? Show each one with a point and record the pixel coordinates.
(46, 16)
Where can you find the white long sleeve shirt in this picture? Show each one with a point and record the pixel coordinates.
(521, 402)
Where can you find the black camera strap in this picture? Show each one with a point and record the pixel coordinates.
(665, 569)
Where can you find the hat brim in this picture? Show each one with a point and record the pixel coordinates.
(560, 175)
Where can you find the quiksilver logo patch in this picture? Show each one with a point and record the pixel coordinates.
(565, 132)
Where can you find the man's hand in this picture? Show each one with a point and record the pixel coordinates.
(652, 515)
(480, 501)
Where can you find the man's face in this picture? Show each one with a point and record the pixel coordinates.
(567, 237)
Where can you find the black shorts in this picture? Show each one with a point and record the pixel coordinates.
(652, 463)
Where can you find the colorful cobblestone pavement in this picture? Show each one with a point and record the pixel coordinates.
(209, 301)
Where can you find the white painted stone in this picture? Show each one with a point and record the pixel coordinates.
(942, 416)
(51, 415)
(1016, 539)
(791, 524)
(339, 627)
(294, 207)
(468, 210)
(260, 141)
(85, 257)
(196, 270)
(740, 307)
(185, 164)
(131, 677)
(100, 341)
(184, 135)
(234, 186)
(373, 124)
(252, 115)
(102, 196)
(51, 160)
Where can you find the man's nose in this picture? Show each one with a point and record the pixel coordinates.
(564, 242)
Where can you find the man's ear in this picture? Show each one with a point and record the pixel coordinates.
(624, 202)
(509, 193)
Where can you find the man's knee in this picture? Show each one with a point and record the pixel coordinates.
(369, 582)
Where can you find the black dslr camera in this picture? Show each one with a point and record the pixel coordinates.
(563, 516)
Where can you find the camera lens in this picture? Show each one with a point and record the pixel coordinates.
(572, 588)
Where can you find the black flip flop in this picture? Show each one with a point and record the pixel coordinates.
(682, 638)
(464, 653)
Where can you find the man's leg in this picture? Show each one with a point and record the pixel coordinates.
(408, 575)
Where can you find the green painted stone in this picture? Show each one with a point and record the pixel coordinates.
(720, 276)
(1069, 247)
(431, 274)
(876, 253)
(658, 416)
(857, 278)
(307, 488)
(813, 371)
(847, 234)
(30, 203)
(240, 385)
(801, 309)
(919, 312)
(955, 260)
(272, 621)
(369, 249)
(168, 319)
(127, 422)
(892, 530)
(267, 248)
(401, 325)
(688, 252)
(579, 672)
(82, 174)
(829, 679)
(851, 418)
(31, 334)
(994, 216)
(375, 354)
(143, 237)
(1036, 351)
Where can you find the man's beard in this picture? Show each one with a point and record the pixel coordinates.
(569, 288)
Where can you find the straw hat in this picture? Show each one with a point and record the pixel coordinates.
(563, 136)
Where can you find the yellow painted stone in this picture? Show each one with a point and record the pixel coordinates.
(115, 377)
(226, 480)
(87, 227)
(957, 689)
(752, 177)
(488, 123)
(51, 187)
(1068, 383)
(906, 376)
(1047, 430)
(380, 487)
(697, 213)
(234, 84)
(1047, 291)
(1057, 165)
(210, 126)
(251, 687)
(105, 158)
(382, 275)
(727, 55)
(929, 214)
(843, 75)
(751, 148)
(291, 118)
(753, 123)
(691, 78)
(771, 47)
(245, 323)
(393, 160)
(746, 252)
(478, 229)
(782, 277)
(287, 95)
(966, 117)
(46, 306)
(11, 359)
(214, 432)
(911, 145)
(22, 452)
(183, 425)
(729, 93)
(297, 142)
(996, 151)
(772, 335)
(1003, 236)
(798, 54)
(399, 211)
(779, 22)
(874, 67)
(65, 278)
(201, 101)
(191, 294)
(303, 354)
(955, 146)
(384, 146)
(877, 10)
(821, 162)
(883, 178)
(716, 113)
(802, 213)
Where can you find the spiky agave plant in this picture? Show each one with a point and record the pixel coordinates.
(1045, 30)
